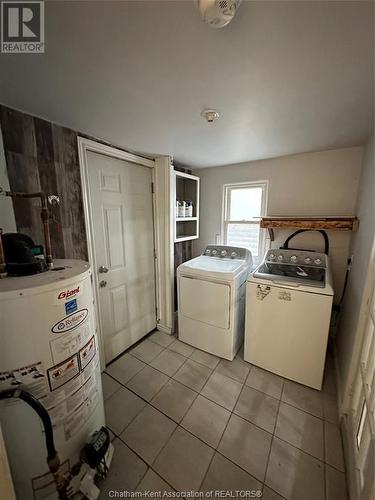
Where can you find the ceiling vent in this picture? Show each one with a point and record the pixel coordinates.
(218, 13)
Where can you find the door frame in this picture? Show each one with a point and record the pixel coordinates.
(85, 146)
(349, 391)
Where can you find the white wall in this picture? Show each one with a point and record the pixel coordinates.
(310, 184)
(7, 220)
(361, 248)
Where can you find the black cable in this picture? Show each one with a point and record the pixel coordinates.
(40, 410)
(344, 287)
(337, 306)
(321, 231)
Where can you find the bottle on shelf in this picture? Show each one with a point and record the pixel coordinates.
(189, 209)
(181, 208)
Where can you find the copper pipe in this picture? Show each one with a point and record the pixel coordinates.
(45, 219)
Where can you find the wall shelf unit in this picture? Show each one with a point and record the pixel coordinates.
(186, 188)
(330, 223)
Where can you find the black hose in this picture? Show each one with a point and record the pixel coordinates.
(40, 410)
(321, 231)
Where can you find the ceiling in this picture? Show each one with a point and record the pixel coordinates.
(286, 77)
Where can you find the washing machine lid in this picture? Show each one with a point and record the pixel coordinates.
(212, 266)
(307, 271)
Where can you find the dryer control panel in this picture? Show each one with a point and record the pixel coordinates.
(227, 252)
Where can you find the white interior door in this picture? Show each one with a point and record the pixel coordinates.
(361, 415)
(122, 224)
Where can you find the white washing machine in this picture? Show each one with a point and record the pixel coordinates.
(211, 299)
(288, 309)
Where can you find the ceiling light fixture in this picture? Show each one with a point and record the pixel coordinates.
(218, 13)
(210, 115)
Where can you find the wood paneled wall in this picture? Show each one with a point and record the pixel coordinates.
(42, 156)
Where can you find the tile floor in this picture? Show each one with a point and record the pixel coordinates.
(185, 420)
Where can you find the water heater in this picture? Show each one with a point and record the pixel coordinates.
(49, 347)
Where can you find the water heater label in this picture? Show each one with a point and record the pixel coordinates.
(67, 293)
(78, 418)
(65, 346)
(87, 353)
(63, 372)
(60, 412)
(71, 306)
(31, 377)
(70, 322)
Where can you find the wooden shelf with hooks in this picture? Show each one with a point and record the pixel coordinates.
(330, 223)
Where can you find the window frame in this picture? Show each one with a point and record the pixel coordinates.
(225, 221)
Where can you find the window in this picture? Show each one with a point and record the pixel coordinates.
(244, 204)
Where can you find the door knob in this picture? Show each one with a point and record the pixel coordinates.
(103, 269)
(102, 284)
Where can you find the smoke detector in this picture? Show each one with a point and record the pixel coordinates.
(210, 115)
(218, 13)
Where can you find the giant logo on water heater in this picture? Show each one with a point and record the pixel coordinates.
(68, 294)
(70, 322)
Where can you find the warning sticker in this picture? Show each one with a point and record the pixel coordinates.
(71, 343)
(63, 372)
(32, 377)
(87, 353)
(59, 395)
(90, 368)
(59, 413)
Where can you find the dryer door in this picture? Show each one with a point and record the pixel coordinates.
(205, 301)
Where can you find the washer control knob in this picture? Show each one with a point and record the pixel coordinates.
(280, 257)
(294, 258)
(233, 254)
(272, 256)
(208, 251)
(223, 253)
(317, 261)
(307, 260)
(214, 252)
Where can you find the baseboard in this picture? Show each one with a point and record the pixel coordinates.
(164, 329)
(176, 323)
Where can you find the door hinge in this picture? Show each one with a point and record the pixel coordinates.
(155, 255)
(152, 188)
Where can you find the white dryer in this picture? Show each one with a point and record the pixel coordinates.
(211, 299)
(288, 309)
